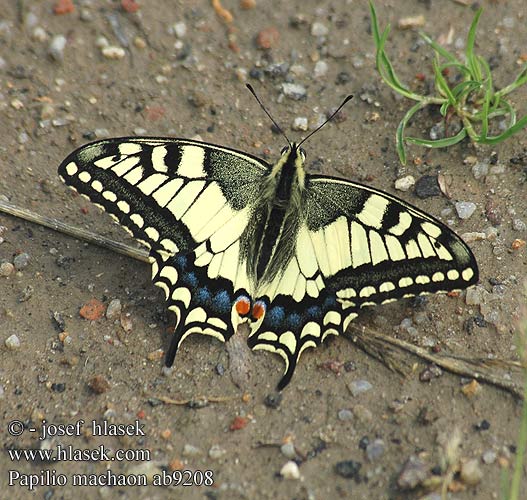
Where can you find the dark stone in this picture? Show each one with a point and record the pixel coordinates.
(348, 469)
(273, 400)
(427, 186)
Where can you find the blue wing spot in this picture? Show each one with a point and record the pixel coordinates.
(190, 279)
(222, 301)
(275, 317)
(181, 262)
(293, 321)
(313, 312)
(203, 295)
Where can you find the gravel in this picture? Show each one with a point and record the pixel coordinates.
(465, 209)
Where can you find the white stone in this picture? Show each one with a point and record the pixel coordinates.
(405, 183)
(290, 470)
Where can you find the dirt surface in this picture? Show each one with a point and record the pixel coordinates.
(191, 85)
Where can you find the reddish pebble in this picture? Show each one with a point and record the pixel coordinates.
(92, 310)
(154, 113)
(165, 434)
(141, 414)
(130, 6)
(267, 38)
(239, 423)
(175, 464)
(63, 7)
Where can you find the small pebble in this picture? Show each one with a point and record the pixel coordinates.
(358, 387)
(92, 310)
(519, 225)
(290, 470)
(39, 34)
(273, 400)
(220, 369)
(179, 29)
(405, 183)
(362, 414)
(471, 472)
(414, 473)
(216, 452)
(267, 38)
(21, 261)
(364, 442)
(101, 42)
(489, 457)
(6, 269)
(342, 78)
(298, 70)
(480, 169)
(348, 469)
(320, 70)
(474, 295)
(113, 52)
(465, 209)
(57, 46)
(411, 22)
(12, 342)
(113, 311)
(345, 414)
(427, 186)
(319, 29)
(294, 91)
(484, 425)
(288, 450)
(190, 451)
(101, 133)
(375, 450)
(430, 372)
(300, 123)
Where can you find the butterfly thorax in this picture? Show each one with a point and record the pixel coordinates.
(279, 211)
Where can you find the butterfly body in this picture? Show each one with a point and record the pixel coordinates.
(233, 239)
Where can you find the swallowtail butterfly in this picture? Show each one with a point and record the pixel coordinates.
(234, 239)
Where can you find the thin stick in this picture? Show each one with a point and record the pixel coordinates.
(82, 234)
(476, 368)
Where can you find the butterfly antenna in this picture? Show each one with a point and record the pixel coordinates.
(251, 90)
(346, 100)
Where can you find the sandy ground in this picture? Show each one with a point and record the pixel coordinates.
(187, 80)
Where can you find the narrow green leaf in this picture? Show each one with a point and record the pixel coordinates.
(508, 133)
(442, 85)
(471, 39)
(382, 62)
(465, 88)
(440, 50)
(444, 108)
(520, 80)
(486, 100)
(399, 134)
(438, 143)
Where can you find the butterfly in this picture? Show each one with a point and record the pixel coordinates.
(234, 239)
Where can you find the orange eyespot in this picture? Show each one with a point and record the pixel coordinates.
(243, 306)
(258, 310)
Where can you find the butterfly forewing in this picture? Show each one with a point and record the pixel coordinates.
(190, 203)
